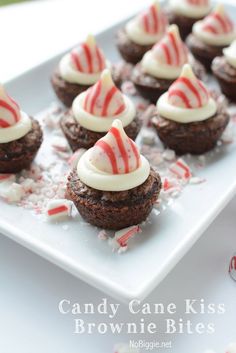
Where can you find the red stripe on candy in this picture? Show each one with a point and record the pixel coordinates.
(57, 210)
(108, 99)
(172, 39)
(76, 61)
(190, 86)
(167, 53)
(185, 168)
(110, 154)
(211, 29)
(181, 95)
(221, 21)
(155, 18)
(135, 152)
(120, 109)
(95, 94)
(116, 133)
(100, 60)
(4, 123)
(146, 23)
(88, 57)
(7, 106)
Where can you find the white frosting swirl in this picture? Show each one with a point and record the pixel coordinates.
(15, 132)
(156, 63)
(114, 163)
(230, 54)
(216, 29)
(187, 100)
(183, 7)
(155, 21)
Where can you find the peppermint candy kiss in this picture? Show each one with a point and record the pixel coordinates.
(218, 22)
(88, 58)
(198, 2)
(9, 110)
(115, 153)
(187, 91)
(171, 50)
(153, 20)
(104, 98)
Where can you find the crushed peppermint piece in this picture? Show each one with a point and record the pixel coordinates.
(169, 155)
(11, 192)
(128, 88)
(122, 237)
(148, 137)
(196, 180)
(60, 144)
(102, 235)
(181, 169)
(58, 209)
(7, 177)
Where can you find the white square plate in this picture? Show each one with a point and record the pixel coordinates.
(157, 250)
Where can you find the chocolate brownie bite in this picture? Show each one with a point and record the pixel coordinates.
(162, 65)
(210, 36)
(94, 111)
(113, 186)
(184, 13)
(188, 120)
(20, 136)
(224, 69)
(141, 33)
(78, 70)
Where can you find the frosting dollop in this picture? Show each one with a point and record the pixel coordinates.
(96, 108)
(148, 27)
(14, 123)
(187, 100)
(167, 57)
(84, 64)
(114, 163)
(230, 54)
(191, 8)
(216, 29)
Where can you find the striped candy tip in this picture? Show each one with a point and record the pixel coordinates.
(9, 110)
(218, 22)
(104, 99)
(187, 91)
(171, 50)
(115, 153)
(88, 57)
(153, 20)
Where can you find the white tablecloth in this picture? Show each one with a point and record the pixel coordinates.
(30, 287)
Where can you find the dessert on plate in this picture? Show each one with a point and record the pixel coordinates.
(162, 65)
(188, 119)
(113, 186)
(141, 33)
(211, 35)
(20, 136)
(185, 13)
(94, 111)
(78, 70)
(224, 69)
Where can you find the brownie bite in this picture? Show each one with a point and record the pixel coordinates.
(78, 70)
(114, 190)
(210, 36)
(184, 13)
(189, 120)
(20, 136)
(141, 33)
(224, 69)
(162, 65)
(94, 111)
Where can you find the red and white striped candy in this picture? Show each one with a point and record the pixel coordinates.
(9, 110)
(232, 267)
(218, 22)
(58, 209)
(231, 348)
(122, 237)
(199, 2)
(115, 153)
(153, 20)
(104, 98)
(187, 91)
(181, 169)
(88, 57)
(171, 50)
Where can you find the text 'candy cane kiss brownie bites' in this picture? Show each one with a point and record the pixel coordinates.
(211, 35)
(113, 186)
(185, 13)
(162, 65)
(224, 69)
(94, 111)
(20, 136)
(189, 120)
(141, 33)
(78, 70)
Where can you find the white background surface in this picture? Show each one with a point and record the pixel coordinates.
(30, 287)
